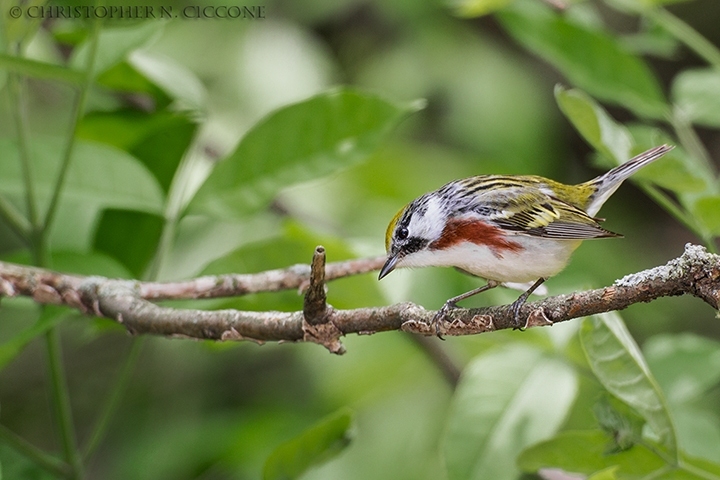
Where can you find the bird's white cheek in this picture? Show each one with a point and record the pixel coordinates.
(429, 225)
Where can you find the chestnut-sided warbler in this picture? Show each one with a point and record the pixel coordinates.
(503, 228)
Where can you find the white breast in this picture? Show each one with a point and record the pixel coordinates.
(539, 257)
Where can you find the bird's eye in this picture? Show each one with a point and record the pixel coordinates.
(402, 233)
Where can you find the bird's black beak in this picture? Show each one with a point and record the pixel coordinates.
(389, 265)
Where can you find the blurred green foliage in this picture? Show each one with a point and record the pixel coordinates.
(169, 148)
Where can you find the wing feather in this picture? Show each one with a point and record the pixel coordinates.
(527, 206)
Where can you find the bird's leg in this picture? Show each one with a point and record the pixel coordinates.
(517, 304)
(452, 303)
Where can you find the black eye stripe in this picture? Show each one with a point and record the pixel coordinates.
(414, 244)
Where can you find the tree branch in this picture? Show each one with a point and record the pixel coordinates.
(235, 285)
(315, 307)
(316, 325)
(696, 273)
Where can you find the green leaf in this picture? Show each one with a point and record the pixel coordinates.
(294, 244)
(501, 405)
(663, 2)
(677, 171)
(50, 316)
(653, 3)
(594, 123)
(98, 174)
(640, 6)
(477, 8)
(711, 467)
(122, 77)
(42, 70)
(593, 60)
(653, 41)
(609, 473)
(114, 44)
(20, 30)
(99, 177)
(73, 262)
(685, 365)
(177, 81)
(707, 210)
(130, 237)
(617, 362)
(163, 147)
(297, 143)
(92, 263)
(585, 452)
(696, 93)
(314, 446)
(187, 449)
(698, 429)
(123, 129)
(201, 239)
(620, 421)
(159, 139)
(15, 465)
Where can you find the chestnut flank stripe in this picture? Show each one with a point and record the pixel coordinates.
(477, 232)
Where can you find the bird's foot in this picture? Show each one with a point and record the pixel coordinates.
(517, 305)
(440, 317)
(515, 309)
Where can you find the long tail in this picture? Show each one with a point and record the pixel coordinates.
(607, 183)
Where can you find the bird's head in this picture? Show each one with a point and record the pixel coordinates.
(413, 230)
